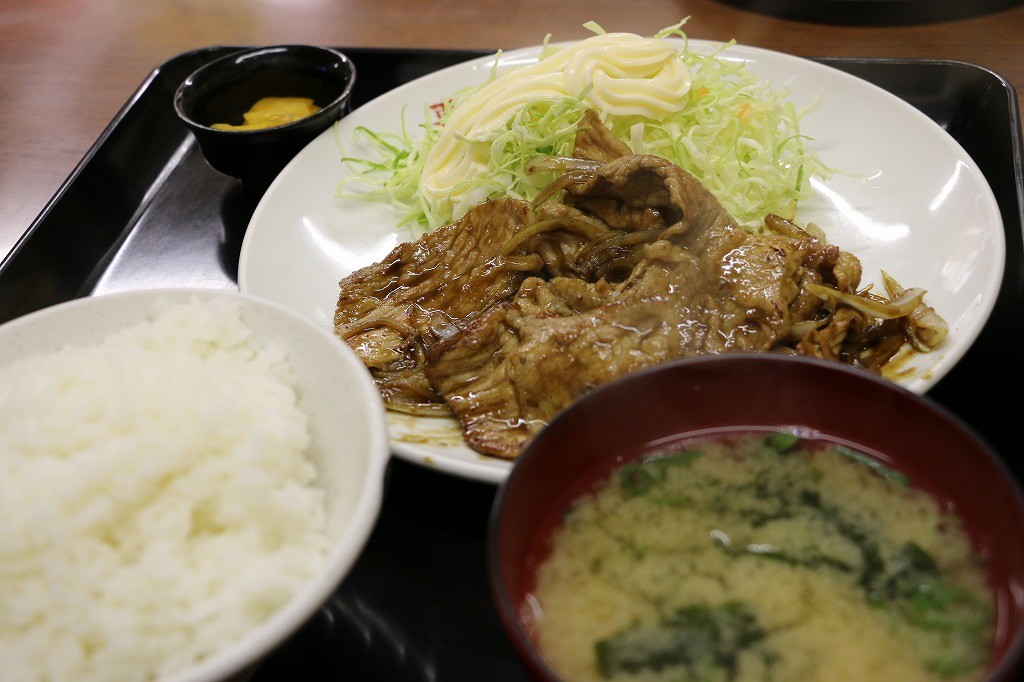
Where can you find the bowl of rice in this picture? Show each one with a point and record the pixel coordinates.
(760, 516)
(186, 476)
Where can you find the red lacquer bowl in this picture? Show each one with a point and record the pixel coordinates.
(625, 419)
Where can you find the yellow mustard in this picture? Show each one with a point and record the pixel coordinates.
(271, 112)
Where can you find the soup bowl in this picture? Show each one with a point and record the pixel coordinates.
(888, 431)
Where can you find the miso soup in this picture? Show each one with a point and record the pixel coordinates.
(762, 557)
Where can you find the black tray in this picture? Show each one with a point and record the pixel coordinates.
(144, 210)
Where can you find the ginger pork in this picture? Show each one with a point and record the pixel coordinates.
(506, 316)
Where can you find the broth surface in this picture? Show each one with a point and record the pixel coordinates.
(762, 557)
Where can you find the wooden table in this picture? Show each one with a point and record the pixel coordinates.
(67, 66)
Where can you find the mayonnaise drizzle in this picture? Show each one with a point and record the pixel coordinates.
(626, 73)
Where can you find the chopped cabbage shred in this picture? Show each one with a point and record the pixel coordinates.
(736, 133)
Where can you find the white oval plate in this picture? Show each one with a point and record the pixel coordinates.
(913, 203)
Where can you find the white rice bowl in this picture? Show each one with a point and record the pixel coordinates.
(347, 448)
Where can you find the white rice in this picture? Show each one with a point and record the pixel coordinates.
(156, 500)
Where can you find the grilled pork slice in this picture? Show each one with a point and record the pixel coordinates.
(594, 141)
(509, 371)
(455, 272)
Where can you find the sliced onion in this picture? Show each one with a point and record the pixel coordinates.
(925, 329)
(586, 228)
(900, 306)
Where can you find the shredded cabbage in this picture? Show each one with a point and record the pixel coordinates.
(736, 133)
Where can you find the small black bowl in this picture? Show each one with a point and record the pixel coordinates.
(223, 90)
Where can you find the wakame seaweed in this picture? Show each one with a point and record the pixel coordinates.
(697, 639)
